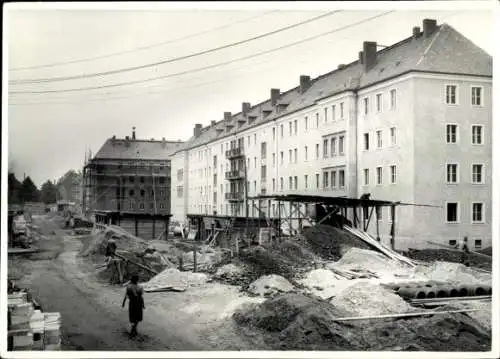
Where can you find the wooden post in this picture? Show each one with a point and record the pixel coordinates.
(154, 229)
(279, 220)
(355, 216)
(136, 227)
(378, 218)
(393, 226)
(290, 227)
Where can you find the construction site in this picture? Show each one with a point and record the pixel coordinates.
(242, 284)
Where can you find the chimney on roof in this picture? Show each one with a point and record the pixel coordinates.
(340, 66)
(416, 32)
(113, 140)
(360, 57)
(197, 130)
(275, 95)
(213, 123)
(305, 83)
(245, 108)
(163, 142)
(369, 54)
(133, 133)
(429, 26)
(227, 116)
(127, 141)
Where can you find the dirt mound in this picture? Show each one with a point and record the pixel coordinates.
(319, 279)
(299, 322)
(270, 285)
(357, 258)
(488, 251)
(94, 244)
(445, 255)
(331, 243)
(453, 272)
(364, 298)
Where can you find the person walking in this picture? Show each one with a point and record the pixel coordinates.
(465, 252)
(134, 293)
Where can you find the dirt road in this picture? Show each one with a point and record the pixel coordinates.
(92, 316)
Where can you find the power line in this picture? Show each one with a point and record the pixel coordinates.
(142, 48)
(205, 67)
(175, 59)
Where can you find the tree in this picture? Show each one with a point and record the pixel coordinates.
(48, 193)
(14, 189)
(29, 192)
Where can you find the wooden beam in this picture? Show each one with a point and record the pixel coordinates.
(403, 315)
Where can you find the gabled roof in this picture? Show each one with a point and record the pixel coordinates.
(136, 149)
(444, 51)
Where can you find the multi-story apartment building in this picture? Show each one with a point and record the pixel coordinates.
(128, 184)
(410, 123)
(69, 187)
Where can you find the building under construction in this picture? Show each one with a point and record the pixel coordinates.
(127, 183)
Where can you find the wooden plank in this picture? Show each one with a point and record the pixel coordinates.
(403, 315)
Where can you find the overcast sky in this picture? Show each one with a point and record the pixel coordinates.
(48, 132)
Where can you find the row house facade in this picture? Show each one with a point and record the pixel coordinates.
(403, 123)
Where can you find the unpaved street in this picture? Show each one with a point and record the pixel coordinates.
(92, 316)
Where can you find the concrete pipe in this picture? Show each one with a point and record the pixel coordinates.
(442, 291)
(409, 292)
(430, 293)
(482, 290)
(463, 291)
(490, 291)
(454, 292)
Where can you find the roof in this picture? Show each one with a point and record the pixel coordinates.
(339, 201)
(127, 149)
(444, 51)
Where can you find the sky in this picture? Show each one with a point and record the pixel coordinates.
(48, 133)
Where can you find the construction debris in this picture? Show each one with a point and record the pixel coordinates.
(270, 285)
(172, 279)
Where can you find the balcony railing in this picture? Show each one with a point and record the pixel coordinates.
(234, 196)
(236, 174)
(234, 152)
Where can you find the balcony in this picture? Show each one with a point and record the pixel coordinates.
(234, 196)
(235, 175)
(234, 153)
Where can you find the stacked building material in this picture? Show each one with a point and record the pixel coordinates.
(52, 331)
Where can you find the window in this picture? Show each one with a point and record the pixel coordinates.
(305, 153)
(367, 141)
(341, 110)
(295, 127)
(333, 113)
(379, 139)
(476, 96)
(477, 212)
(296, 181)
(366, 103)
(290, 128)
(141, 205)
(274, 133)
(379, 213)
(248, 141)
(325, 148)
(452, 242)
(317, 180)
(477, 173)
(143, 192)
(131, 192)
(296, 155)
(282, 156)
(451, 133)
(305, 181)
(290, 183)
(333, 178)
(317, 150)
(131, 206)
(379, 175)
(452, 212)
(379, 102)
(317, 120)
(289, 156)
(452, 173)
(333, 146)
(393, 136)
(477, 134)
(255, 139)
(255, 162)
(274, 184)
(162, 206)
(393, 174)
(255, 186)
(393, 99)
(281, 183)
(274, 159)
(366, 172)
(325, 179)
(451, 94)
(306, 125)
(281, 131)
(263, 150)
(326, 114)
(341, 179)
(341, 145)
